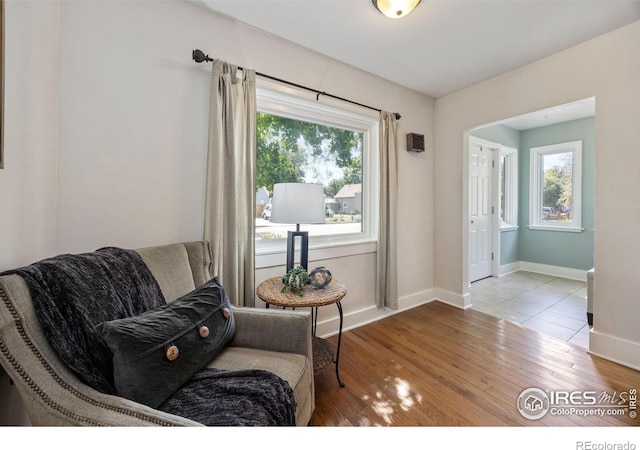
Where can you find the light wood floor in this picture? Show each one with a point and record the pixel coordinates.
(437, 365)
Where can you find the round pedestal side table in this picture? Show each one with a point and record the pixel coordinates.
(270, 292)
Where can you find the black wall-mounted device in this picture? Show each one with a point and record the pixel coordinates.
(415, 142)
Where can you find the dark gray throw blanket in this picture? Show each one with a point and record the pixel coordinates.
(215, 397)
(73, 293)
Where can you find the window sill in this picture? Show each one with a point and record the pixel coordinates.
(508, 228)
(277, 256)
(559, 228)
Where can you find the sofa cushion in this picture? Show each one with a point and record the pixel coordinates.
(171, 267)
(156, 352)
(294, 368)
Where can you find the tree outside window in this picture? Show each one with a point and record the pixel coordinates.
(291, 150)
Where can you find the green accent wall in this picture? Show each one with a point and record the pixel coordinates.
(555, 248)
(509, 247)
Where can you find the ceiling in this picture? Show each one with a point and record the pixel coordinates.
(558, 114)
(443, 45)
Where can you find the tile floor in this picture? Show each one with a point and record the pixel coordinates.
(550, 305)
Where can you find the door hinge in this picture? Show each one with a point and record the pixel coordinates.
(493, 210)
(493, 164)
(491, 256)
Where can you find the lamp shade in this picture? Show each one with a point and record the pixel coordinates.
(297, 203)
(395, 8)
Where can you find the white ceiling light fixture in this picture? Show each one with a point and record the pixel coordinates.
(395, 9)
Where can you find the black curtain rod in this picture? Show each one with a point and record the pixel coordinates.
(199, 56)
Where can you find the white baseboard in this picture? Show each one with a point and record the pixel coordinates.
(615, 349)
(350, 320)
(546, 269)
(370, 314)
(417, 299)
(509, 268)
(453, 299)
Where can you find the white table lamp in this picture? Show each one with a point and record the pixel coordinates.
(298, 203)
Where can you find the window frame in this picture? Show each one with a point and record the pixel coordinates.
(536, 187)
(510, 220)
(288, 103)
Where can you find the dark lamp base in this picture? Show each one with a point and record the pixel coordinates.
(291, 249)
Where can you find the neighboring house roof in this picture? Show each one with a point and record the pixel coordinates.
(349, 191)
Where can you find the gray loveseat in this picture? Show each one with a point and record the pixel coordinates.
(272, 340)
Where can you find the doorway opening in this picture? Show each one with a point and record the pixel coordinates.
(513, 261)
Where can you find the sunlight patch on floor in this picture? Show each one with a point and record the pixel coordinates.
(386, 407)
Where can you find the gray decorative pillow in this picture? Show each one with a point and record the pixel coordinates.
(156, 352)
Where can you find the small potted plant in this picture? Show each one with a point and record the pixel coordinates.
(296, 279)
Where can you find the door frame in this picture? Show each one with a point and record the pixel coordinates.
(495, 149)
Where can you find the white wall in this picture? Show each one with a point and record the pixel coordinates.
(132, 112)
(27, 183)
(608, 68)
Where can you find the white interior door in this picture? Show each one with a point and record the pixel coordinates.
(480, 211)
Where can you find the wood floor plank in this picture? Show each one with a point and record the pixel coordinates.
(437, 365)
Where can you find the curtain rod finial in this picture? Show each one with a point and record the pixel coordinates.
(199, 56)
(398, 116)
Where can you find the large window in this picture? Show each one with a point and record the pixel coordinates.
(556, 187)
(301, 140)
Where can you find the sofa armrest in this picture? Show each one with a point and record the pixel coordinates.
(272, 329)
(52, 394)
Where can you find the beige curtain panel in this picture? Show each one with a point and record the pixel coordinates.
(387, 266)
(230, 195)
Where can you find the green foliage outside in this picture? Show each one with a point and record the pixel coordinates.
(558, 186)
(290, 150)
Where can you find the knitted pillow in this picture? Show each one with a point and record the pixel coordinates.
(156, 352)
